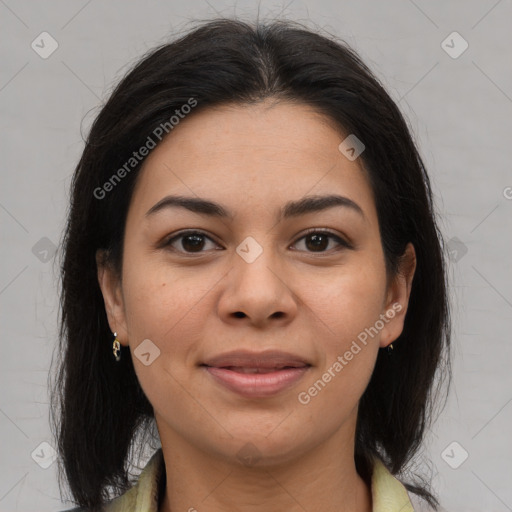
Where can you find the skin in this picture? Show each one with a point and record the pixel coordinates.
(313, 302)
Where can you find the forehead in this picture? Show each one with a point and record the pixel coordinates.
(247, 155)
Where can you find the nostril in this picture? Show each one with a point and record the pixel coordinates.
(239, 314)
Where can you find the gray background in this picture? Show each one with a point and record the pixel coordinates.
(460, 110)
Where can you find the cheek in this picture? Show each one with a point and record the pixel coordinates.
(347, 301)
(157, 295)
(166, 310)
(346, 309)
(160, 307)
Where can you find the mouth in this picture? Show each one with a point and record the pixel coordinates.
(245, 370)
(244, 361)
(256, 370)
(256, 382)
(256, 374)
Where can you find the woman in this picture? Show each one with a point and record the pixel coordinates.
(251, 265)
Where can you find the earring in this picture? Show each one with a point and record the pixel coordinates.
(116, 348)
(390, 349)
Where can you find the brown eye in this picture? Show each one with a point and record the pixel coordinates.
(189, 242)
(318, 241)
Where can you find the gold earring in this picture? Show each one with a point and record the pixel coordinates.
(116, 348)
(390, 348)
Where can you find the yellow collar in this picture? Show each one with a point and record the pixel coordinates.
(388, 494)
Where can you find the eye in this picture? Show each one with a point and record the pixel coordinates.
(318, 240)
(191, 242)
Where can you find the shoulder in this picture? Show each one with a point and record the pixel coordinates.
(125, 502)
(120, 503)
(420, 505)
(144, 495)
(389, 493)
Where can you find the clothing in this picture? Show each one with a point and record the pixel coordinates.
(388, 493)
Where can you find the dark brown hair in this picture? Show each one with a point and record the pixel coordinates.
(98, 405)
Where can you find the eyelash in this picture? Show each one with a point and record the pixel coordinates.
(342, 243)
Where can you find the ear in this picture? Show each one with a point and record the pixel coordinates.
(110, 284)
(397, 300)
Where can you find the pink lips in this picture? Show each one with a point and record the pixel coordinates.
(257, 375)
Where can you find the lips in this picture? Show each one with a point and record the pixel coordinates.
(257, 375)
(245, 361)
(243, 369)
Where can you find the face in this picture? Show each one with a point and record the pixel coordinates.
(310, 282)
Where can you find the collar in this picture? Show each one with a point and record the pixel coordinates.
(388, 493)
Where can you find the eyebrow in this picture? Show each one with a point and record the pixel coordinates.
(308, 204)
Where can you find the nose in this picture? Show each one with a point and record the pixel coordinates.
(258, 292)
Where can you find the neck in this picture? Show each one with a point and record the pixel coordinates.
(323, 478)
